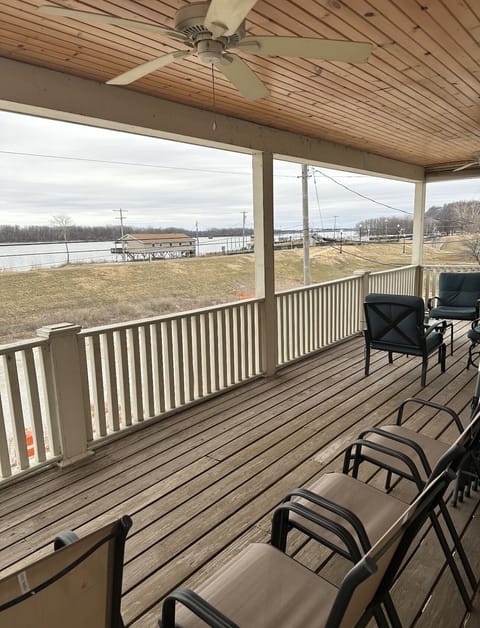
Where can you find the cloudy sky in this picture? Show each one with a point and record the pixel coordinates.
(49, 168)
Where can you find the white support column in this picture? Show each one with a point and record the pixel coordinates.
(364, 290)
(418, 234)
(69, 411)
(264, 255)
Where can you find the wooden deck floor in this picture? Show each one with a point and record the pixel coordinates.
(201, 484)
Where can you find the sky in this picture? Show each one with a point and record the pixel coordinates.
(50, 168)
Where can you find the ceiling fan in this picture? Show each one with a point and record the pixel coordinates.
(470, 164)
(209, 30)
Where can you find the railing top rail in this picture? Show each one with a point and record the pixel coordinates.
(21, 345)
(392, 270)
(166, 317)
(441, 266)
(333, 282)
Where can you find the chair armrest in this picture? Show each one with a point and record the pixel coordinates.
(476, 321)
(376, 447)
(195, 603)
(408, 442)
(281, 522)
(336, 509)
(431, 302)
(439, 327)
(430, 404)
(63, 539)
(477, 307)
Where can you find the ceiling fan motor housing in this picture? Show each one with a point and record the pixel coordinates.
(190, 19)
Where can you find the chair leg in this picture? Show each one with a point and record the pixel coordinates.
(470, 361)
(367, 359)
(470, 354)
(451, 562)
(458, 545)
(390, 357)
(380, 617)
(443, 357)
(424, 370)
(391, 612)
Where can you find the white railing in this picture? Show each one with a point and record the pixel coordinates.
(142, 369)
(314, 317)
(396, 281)
(71, 387)
(28, 431)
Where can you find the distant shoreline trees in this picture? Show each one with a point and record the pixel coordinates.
(16, 234)
(459, 216)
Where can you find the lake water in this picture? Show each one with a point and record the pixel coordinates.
(28, 256)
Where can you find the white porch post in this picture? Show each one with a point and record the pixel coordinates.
(418, 232)
(364, 290)
(69, 411)
(264, 260)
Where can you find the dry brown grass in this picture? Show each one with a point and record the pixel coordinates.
(96, 294)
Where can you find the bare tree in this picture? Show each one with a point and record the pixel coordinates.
(468, 214)
(62, 223)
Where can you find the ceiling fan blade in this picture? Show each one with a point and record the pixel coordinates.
(307, 47)
(101, 18)
(225, 16)
(150, 66)
(465, 166)
(244, 79)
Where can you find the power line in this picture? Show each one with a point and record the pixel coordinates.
(372, 200)
(121, 163)
(318, 200)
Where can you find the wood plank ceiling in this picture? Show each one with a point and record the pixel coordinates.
(416, 100)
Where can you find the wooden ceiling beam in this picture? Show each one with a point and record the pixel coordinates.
(30, 89)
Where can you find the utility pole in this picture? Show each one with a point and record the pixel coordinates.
(120, 218)
(335, 228)
(306, 230)
(244, 214)
(196, 238)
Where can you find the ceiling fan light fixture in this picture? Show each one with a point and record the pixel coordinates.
(210, 51)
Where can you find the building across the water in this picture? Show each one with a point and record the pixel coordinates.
(151, 246)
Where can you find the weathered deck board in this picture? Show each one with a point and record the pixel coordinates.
(202, 483)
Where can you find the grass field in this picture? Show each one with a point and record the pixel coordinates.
(96, 294)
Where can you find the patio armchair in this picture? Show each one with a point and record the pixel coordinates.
(415, 457)
(262, 586)
(366, 512)
(395, 323)
(458, 297)
(78, 585)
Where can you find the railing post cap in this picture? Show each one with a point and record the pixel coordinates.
(47, 331)
(361, 272)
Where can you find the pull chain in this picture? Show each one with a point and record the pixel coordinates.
(214, 125)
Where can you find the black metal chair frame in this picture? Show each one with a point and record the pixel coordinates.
(466, 466)
(473, 349)
(402, 534)
(414, 344)
(282, 525)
